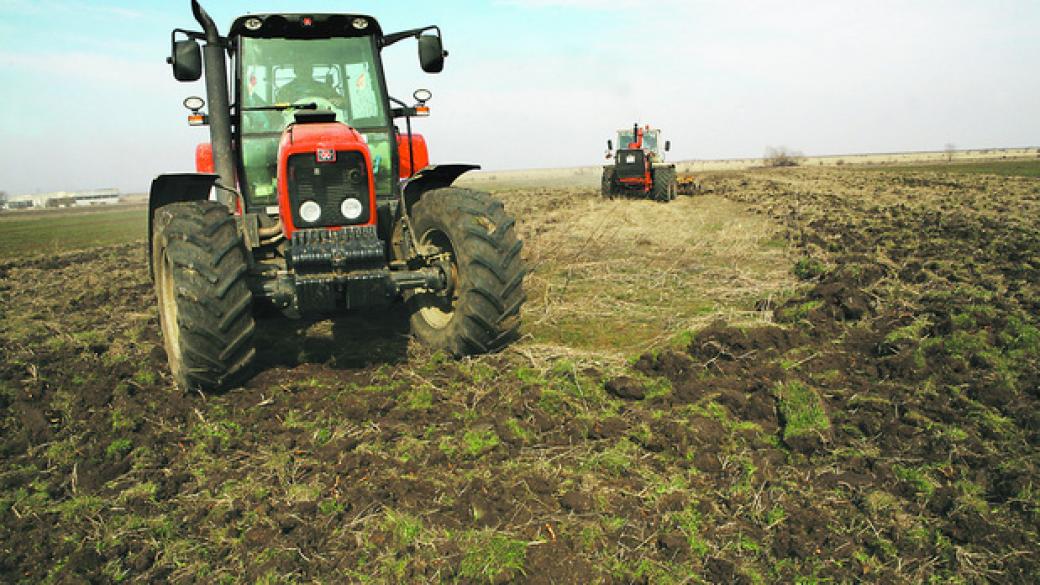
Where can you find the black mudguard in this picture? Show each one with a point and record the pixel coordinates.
(429, 178)
(175, 188)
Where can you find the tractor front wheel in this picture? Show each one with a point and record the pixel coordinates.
(472, 238)
(205, 305)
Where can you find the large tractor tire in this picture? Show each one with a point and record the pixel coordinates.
(205, 305)
(476, 242)
(665, 186)
(607, 188)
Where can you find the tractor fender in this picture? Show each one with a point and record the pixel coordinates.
(429, 178)
(175, 188)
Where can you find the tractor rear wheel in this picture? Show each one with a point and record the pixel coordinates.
(470, 235)
(665, 188)
(205, 305)
(607, 184)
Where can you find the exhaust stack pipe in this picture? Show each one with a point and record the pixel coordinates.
(213, 55)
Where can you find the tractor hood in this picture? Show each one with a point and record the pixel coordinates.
(325, 177)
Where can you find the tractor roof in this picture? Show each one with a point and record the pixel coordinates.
(305, 26)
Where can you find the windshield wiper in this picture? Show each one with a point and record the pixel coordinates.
(281, 107)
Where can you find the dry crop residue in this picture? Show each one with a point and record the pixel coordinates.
(881, 425)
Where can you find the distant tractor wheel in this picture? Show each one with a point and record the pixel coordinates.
(607, 189)
(470, 235)
(205, 305)
(664, 188)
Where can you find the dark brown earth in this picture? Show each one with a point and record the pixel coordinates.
(352, 457)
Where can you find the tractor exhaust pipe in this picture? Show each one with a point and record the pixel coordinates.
(213, 54)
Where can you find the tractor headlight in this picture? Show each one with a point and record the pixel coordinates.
(310, 211)
(351, 208)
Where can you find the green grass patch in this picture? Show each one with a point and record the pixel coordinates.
(477, 442)
(913, 332)
(616, 459)
(808, 268)
(79, 508)
(404, 527)
(801, 410)
(491, 556)
(118, 448)
(472, 444)
(799, 311)
(917, 477)
(688, 521)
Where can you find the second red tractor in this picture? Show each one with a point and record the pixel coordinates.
(639, 169)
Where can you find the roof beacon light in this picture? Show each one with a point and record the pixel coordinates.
(308, 21)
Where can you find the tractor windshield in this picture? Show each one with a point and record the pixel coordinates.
(338, 74)
(626, 137)
(650, 141)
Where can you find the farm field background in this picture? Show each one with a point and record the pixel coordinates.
(816, 374)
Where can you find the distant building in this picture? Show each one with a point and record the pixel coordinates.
(64, 199)
(97, 197)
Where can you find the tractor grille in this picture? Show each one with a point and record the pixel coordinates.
(328, 184)
(353, 247)
(630, 164)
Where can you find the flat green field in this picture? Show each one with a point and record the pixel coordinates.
(1005, 168)
(33, 233)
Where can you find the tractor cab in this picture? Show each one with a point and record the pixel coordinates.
(645, 139)
(280, 79)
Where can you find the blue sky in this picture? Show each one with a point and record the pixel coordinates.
(89, 101)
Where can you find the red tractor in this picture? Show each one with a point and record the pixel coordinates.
(639, 169)
(310, 200)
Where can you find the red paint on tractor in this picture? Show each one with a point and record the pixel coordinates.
(637, 133)
(646, 181)
(204, 158)
(309, 138)
(421, 156)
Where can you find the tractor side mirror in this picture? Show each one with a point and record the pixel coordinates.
(186, 59)
(610, 145)
(667, 145)
(431, 53)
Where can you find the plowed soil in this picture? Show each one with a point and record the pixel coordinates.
(878, 420)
